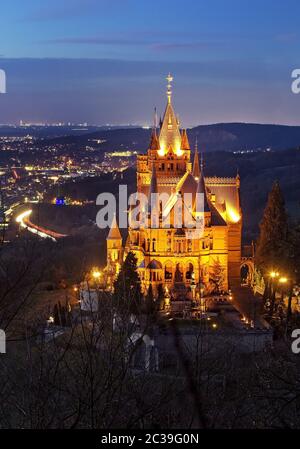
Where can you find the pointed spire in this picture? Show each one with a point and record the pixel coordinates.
(169, 136)
(154, 143)
(201, 189)
(114, 232)
(196, 167)
(185, 145)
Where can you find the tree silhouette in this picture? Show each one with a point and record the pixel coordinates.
(127, 287)
(272, 241)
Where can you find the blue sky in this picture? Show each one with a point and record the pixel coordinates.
(105, 61)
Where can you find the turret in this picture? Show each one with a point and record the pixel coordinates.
(114, 244)
(196, 167)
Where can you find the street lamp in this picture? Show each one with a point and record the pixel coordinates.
(96, 274)
(283, 280)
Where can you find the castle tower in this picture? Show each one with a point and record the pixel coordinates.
(174, 256)
(114, 251)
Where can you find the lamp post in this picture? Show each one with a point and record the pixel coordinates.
(273, 276)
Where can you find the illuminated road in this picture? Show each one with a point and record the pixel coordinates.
(24, 222)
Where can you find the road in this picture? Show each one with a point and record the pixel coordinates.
(23, 220)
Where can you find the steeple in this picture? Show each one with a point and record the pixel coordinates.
(114, 232)
(169, 137)
(201, 189)
(196, 168)
(154, 143)
(185, 145)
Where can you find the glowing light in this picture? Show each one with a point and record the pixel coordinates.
(23, 215)
(162, 151)
(233, 215)
(96, 274)
(214, 325)
(274, 274)
(283, 280)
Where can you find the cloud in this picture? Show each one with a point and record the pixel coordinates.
(160, 44)
(169, 46)
(95, 41)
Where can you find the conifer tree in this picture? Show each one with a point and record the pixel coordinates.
(127, 287)
(271, 245)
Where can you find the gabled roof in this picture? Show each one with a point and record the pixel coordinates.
(114, 232)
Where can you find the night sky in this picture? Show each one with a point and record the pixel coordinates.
(105, 61)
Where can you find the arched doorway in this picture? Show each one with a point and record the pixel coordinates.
(246, 272)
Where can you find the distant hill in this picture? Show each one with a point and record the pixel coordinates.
(216, 137)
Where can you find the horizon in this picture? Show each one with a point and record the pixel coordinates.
(97, 62)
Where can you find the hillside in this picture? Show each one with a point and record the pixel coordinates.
(216, 137)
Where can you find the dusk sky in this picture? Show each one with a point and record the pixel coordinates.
(105, 61)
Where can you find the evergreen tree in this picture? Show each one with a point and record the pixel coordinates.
(271, 250)
(127, 287)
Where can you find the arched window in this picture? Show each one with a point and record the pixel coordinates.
(189, 271)
(168, 271)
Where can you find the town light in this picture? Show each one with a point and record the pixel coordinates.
(274, 274)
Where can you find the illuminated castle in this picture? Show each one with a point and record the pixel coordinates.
(168, 256)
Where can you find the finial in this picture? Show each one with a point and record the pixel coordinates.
(169, 87)
(201, 161)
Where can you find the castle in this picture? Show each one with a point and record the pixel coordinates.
(170, 256)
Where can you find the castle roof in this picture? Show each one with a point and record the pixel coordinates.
(201, 189)
(185, 145)
(154, 143)
(196, 166)
(114, 232)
